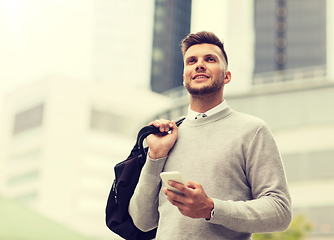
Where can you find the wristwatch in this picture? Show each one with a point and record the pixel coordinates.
(211, 214)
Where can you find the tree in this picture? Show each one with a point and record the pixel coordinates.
(298, 230)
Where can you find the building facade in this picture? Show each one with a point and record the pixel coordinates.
(60, 139)
(289, 35)
(122, 32)
(171, 25)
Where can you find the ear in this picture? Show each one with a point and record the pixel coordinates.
(227, 77)
(183, 80)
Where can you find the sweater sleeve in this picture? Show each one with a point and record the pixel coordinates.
(144, 201)
(269, 210)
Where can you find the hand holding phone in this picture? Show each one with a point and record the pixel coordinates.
(175, 176)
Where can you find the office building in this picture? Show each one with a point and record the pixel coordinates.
(171, 25)
(60, 139)
(290, 39)
(122, 41)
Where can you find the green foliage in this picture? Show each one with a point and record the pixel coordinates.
(298, 230)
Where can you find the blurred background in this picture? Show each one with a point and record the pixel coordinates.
(78, 78)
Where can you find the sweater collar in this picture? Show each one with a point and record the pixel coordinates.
(207, 120)
(192, 114)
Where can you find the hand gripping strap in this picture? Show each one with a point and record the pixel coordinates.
(147, 130)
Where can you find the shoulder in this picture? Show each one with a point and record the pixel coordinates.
(247, 119)
(248, 124)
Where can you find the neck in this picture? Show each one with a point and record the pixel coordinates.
(203, 103)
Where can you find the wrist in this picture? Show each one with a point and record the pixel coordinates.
(156, 155)
(212, 210)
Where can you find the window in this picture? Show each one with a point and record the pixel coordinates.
(109, 122)
(32, 155)
(303, 27)
(27, 198)
(28, 119)
(311, 165)
(24, 178)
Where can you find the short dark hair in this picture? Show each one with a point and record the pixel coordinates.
(202, 37)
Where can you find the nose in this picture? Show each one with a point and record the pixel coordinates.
(200, 66)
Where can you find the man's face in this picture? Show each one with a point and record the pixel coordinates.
(204, 69)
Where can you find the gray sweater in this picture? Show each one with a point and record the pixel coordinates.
(235, 158)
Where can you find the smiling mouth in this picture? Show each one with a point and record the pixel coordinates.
(200, 77)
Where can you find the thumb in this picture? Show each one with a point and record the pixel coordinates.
(175, 128)
(191, 185)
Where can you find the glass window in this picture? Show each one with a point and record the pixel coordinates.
(303, 26)
(28, 119)
(23, 178)
(27, 198)
(29, 156)
(109, 122)
(307, 166)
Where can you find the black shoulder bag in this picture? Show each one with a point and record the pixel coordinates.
(127, 175)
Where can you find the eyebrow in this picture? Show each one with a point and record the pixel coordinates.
(210, 55)
(189, 58)
(205, 56)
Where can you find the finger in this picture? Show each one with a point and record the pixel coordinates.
(155, 123)
(173, 195)
(166, 125)
(162, 124)
(179, 186)
(173, 126)
(175, 198)
(192, 185)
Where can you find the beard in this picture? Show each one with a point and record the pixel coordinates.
(213, 87)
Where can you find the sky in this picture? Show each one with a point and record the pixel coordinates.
(40, 38)
(45, 37)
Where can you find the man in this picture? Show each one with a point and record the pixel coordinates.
(236, 184)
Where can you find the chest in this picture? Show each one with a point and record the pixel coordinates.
(215, 159)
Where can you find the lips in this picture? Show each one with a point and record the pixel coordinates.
(200, 76)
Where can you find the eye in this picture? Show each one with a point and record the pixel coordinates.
(191, 61)
(211, 59)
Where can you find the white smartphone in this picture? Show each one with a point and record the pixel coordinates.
(175, 176)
